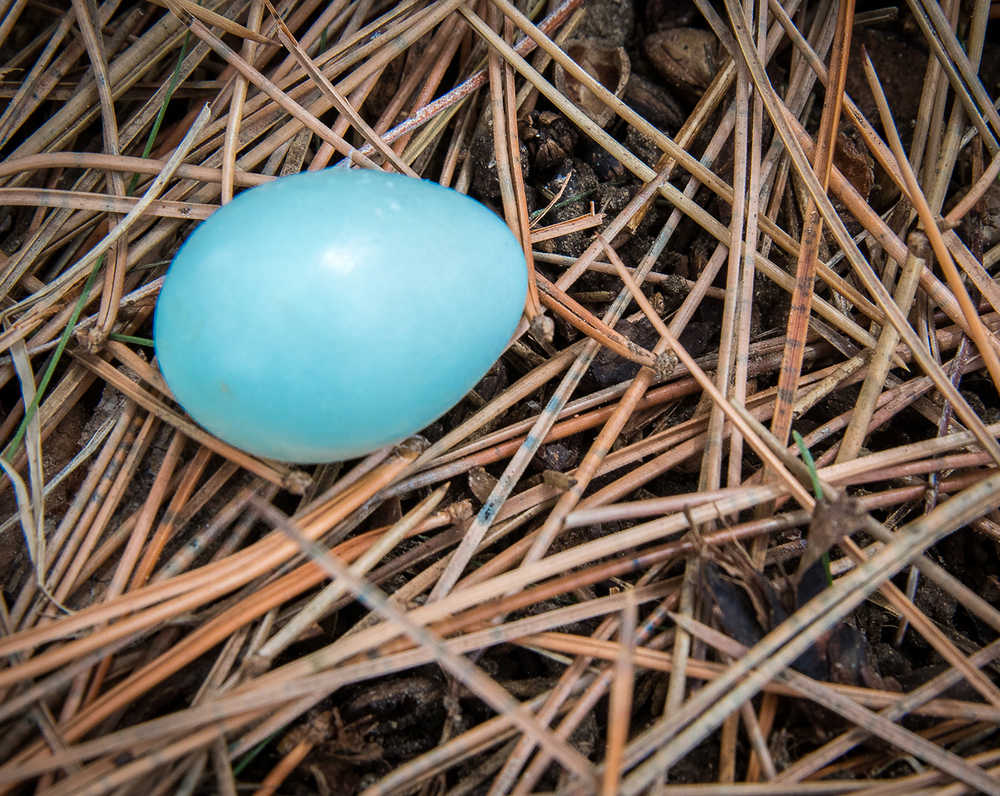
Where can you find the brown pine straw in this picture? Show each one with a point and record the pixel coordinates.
(151, 558)
(857, 261)
(798, 316)
(978, 332)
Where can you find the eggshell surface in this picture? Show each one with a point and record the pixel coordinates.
(325, 314)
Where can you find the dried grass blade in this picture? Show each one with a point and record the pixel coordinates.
(512, 473)
(234, 120)
(23, 497)
(34, 535)
(184, 9)
(206, 636)
(758, 183)
(758, 727)
(189, 478)
(114, 274)
(620, 709)
(710, 474)
(878, 366)
(578, 224)
(974, 270)
(517, 580)
(704, 175)
(224, 778)
(532, 305)
(516, 392)
(108, 777)
(69, 581)
(38, 691)
(592, 326)
(598, 687)
(798, 314)
(657, 660)
(125, 163)
(31, 508)
(846, 192)
(100, 434)
(104, 203)
(881, 231)
(123, 72)
(973, 195)
(144, 522)
(598, 450)
(62, 533)
(361, 65)
(568, 682)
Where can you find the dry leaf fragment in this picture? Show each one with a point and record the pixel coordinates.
(688, 58)
(608, 64)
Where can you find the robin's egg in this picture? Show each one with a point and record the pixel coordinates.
(323, 315)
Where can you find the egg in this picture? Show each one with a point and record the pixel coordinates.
(323, 315)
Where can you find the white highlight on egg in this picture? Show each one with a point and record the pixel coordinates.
(340, 260)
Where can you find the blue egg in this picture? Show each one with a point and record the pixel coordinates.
(323, 315)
